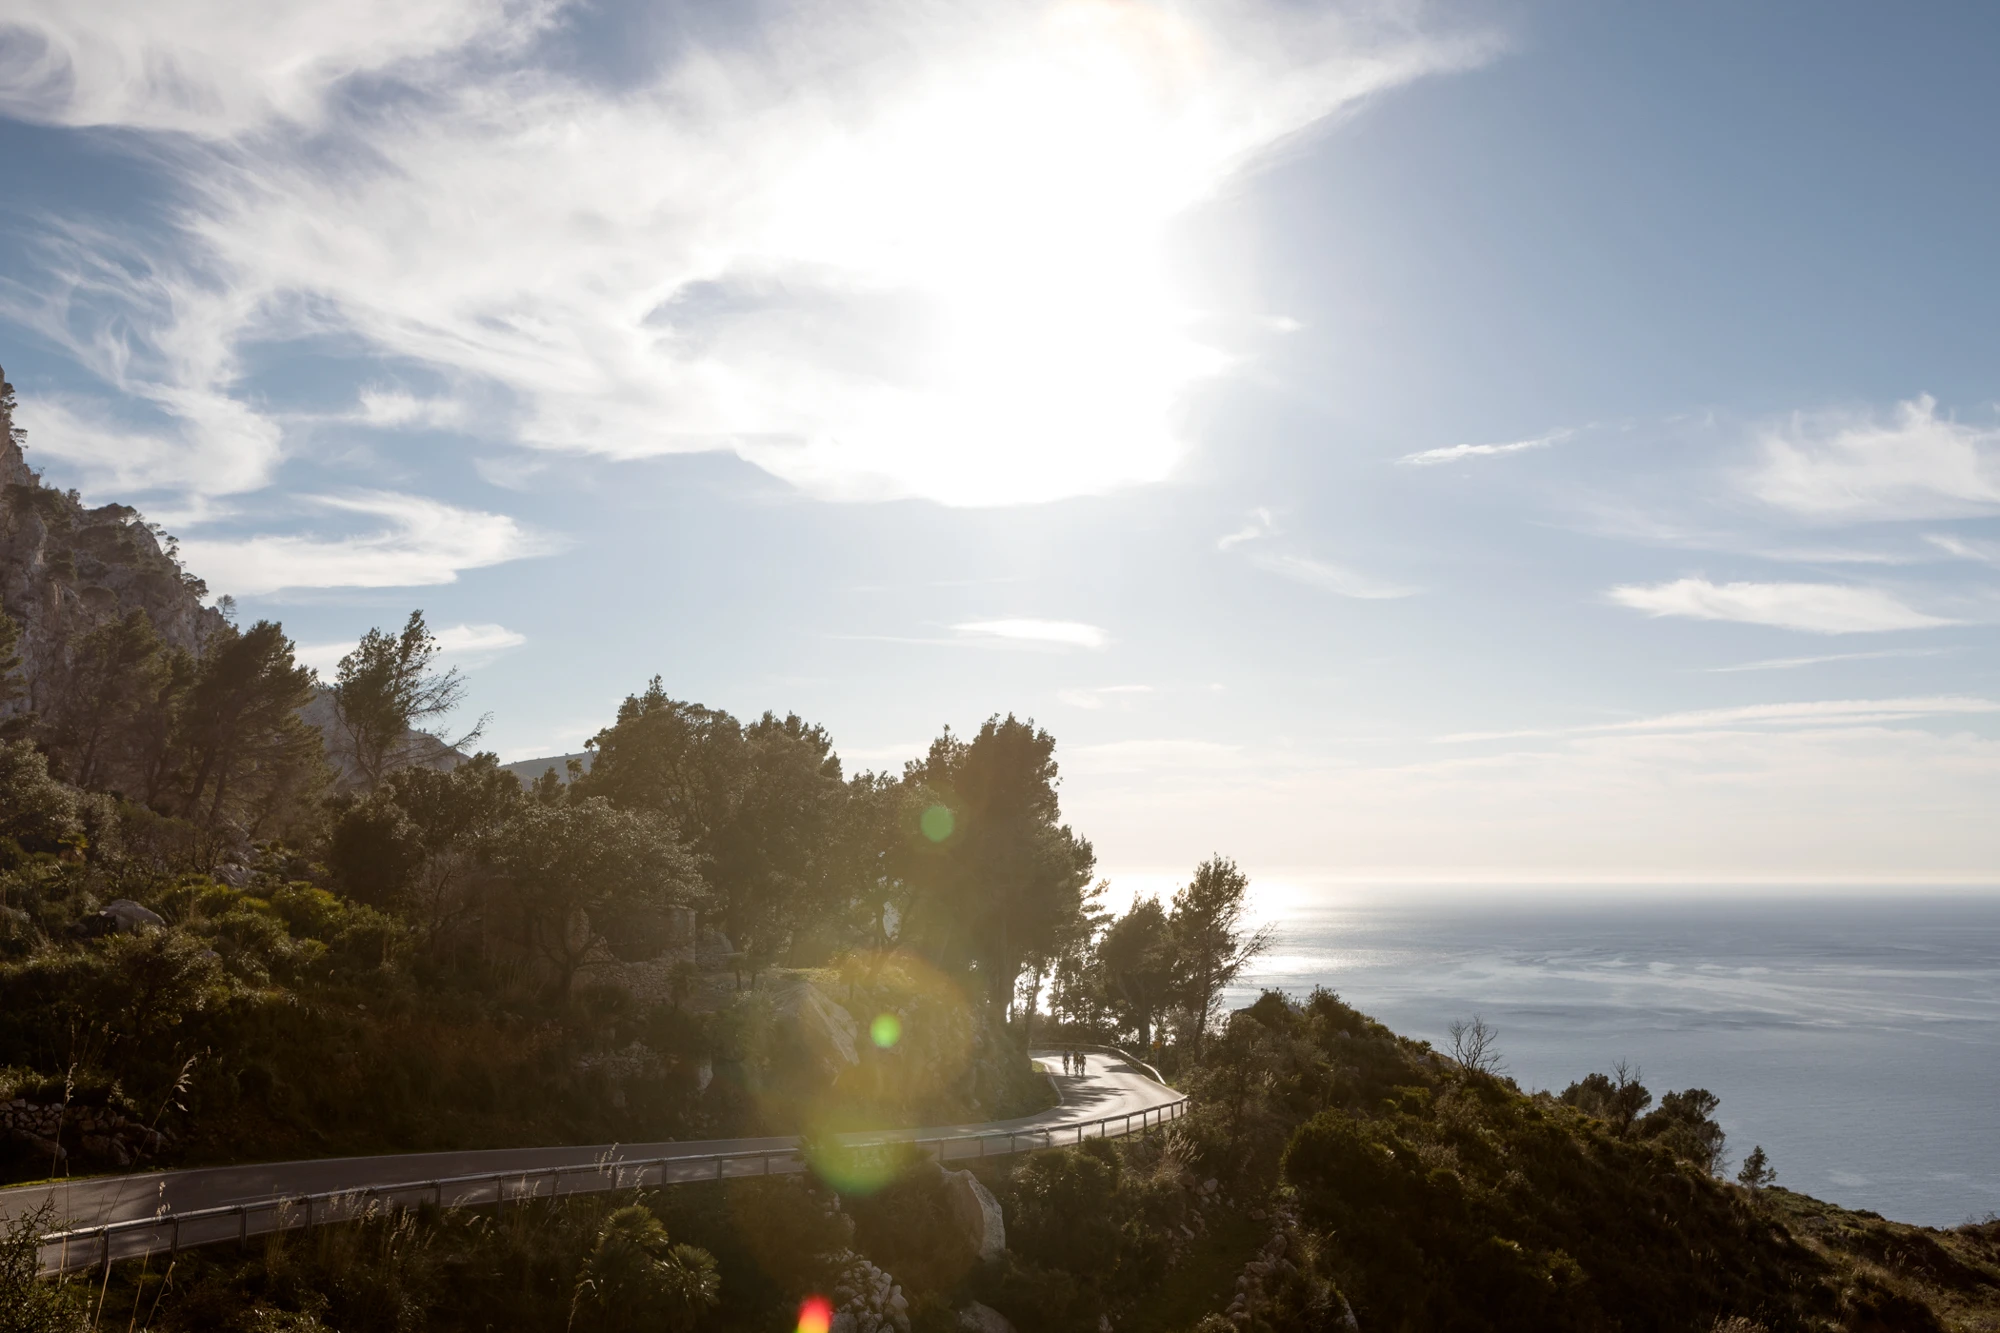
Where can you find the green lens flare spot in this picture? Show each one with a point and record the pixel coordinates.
(886, 1030)
(936, 823)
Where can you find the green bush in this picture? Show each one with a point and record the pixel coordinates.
(637, 1278)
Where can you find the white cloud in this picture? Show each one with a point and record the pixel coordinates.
(1986, 553)
(876, 251)
(467, 645)
(196, 65)
(215, 446)
(477, 643)
(423, 542)
(394, 407)
(1802, 713)
(1102, 695)
(1819, 608)
(1854, 466)
(1809, 712)
(1454, 453)
(1055, 633)
(1260, 525)
(1792, 663)
(1331, 578)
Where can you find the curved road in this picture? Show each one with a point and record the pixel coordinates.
(1110, 1086)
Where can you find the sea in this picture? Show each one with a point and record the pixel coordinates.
(1855, 1036)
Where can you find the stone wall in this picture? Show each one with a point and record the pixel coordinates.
(101, 1132)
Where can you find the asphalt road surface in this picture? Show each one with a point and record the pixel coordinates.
(1109, 1088)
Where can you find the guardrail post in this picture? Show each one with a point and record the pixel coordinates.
(107, 1249)
(174, 1245)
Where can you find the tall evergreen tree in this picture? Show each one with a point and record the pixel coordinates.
(13, 688)
(1210, 944)
(1011, 876)
(94, 723)
(1136, 957)
(679, 760)
(389, 692)
(248, 753)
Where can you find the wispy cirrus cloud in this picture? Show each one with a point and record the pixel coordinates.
(1329, 577)
(465, 645)
(1794, 663)
(416, 542)
(1458, 452)
(1858, 466)
(1262, 525)
(1806, 713)
(876, 252)
(1818, 608)
(1046, 633)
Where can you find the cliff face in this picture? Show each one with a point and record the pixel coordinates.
(66, 569)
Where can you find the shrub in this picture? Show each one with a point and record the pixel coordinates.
(637, 1278)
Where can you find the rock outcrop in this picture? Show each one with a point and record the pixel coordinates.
(868, 1300)
(122, 916)
(66, 569)
(975, 1211)
(817, 1027)
(978, 1318)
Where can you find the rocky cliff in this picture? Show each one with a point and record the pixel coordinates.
(65, 568)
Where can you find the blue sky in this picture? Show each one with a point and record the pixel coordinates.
(1541, 443)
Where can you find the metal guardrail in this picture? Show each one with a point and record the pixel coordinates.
(77, 1248)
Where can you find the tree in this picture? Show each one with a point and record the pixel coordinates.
(1685, 1125)
(1757, 1174)
(1006, 877)
(14, 722)
(585, 875)
(1060, 964)
(249, 755)
(1210, 945)
(774, 861)
(1475, 1045)
(453, 816)
(36, 811)
(94, 722)
(676, 759)
(1136, 957)
(388, 693)
(1617, 1097)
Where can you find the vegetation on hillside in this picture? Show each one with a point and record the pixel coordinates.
(245, 915)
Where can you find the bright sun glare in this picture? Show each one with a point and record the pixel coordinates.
(1024, 202)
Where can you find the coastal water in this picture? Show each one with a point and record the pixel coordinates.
(1856, 1038)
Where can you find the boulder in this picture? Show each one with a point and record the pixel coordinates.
(977, 1215)
(978, 1318)
(823, 1030)
(128, 918)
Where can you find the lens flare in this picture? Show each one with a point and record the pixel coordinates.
(815, 1315)
(886, 1030)
(937, 823)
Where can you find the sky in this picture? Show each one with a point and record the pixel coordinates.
(1500, 443)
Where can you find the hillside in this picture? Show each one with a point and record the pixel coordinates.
(66, 569)
(212, 950)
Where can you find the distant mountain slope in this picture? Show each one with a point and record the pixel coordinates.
(66, 569)
(531, 770)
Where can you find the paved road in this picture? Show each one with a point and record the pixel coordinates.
(1109, 1086)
